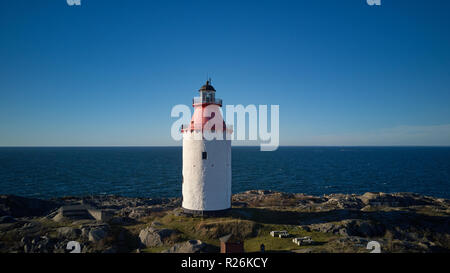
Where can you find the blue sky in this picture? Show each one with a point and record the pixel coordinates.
(108, 72)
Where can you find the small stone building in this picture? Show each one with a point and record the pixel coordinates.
(231, 244)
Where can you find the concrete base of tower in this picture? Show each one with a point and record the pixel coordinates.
(208, 213)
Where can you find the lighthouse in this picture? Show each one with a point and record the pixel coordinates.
(206, 161)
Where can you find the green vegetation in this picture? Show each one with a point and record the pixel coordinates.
(283, 244)
(154, 249)
(254, 229)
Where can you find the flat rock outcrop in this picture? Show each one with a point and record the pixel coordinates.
(17, 206)
(352, 227)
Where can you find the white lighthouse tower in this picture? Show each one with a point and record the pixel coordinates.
(206, 161)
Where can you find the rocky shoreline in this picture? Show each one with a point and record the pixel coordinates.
(400, 222)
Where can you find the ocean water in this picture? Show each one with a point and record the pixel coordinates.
(156, 171)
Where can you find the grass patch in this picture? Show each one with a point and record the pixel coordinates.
(154, 249)
(283, 244)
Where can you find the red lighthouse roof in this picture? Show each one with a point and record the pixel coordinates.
(206, 107)
(204, 113)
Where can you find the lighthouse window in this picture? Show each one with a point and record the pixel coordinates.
(204, 155)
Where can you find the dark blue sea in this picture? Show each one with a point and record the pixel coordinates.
(156, 171)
